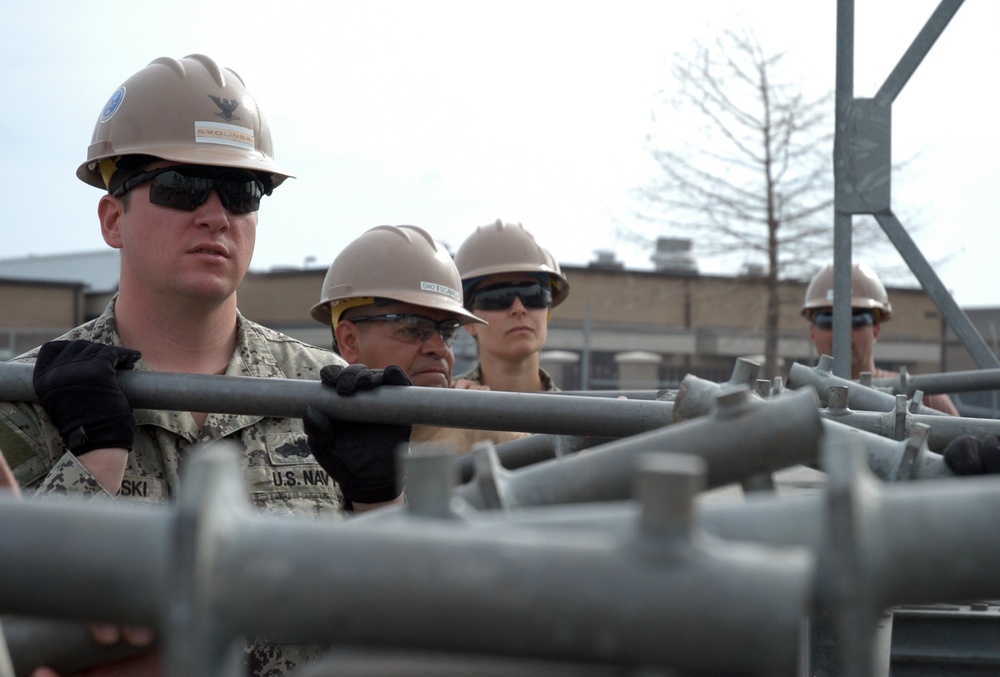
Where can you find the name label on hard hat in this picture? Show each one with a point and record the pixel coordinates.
(219, 132)
(440, 289)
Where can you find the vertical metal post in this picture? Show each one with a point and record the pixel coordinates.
(6, 667)
(842, 216)
(862, 181)
(585, 357)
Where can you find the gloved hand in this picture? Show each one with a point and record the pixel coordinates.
(360, 457)
(348, 380)
(77, 385)
(971, 455)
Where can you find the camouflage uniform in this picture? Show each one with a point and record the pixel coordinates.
(476, 374)
(281, 475)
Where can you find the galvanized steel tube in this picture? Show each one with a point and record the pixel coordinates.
(859, 397)
(618, 598)
(949, 382)
(446, 407)
(740, 439)
(943, 429)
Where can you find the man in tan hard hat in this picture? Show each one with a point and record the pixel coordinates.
(512, 282)
(184, 157)
(393, 296)
(870, 308)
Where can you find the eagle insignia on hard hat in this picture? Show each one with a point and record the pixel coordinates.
(228, 106)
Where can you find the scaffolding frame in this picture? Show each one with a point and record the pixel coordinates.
(862, 162)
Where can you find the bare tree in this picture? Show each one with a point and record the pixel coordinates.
(747, 166)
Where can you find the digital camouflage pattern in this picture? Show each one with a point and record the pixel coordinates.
(281, 475)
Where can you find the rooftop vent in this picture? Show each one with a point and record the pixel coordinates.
(673, 255)
(605, 258)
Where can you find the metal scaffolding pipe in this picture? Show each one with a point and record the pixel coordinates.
(744, 373)
(860, 397)
(734, 452)
(213, 570)
(920, 542)
(641, 394)
(287, 398)
(923, 542)
(429, 664)
(896, 424)
(743, 437)
(948, 382)
(892, 460)
(863, 534)
(528, 450)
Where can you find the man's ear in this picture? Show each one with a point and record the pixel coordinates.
(876, 329)
(110, 211)
(471, 328)
(348, 337)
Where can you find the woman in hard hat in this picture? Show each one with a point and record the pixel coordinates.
(513, 283)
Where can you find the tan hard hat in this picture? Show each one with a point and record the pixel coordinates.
(867, 292)
(507, 248)
(403, 263)
(188, 110)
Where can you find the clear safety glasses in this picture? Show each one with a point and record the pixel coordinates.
(416, 328)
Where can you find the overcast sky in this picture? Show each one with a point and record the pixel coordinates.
(449, 115)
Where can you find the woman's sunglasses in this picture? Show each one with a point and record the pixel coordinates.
(187, 187)
(501, 296)
(862, 318)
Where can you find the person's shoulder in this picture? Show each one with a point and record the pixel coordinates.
(295, 358)
(548, 385)
(88, 332)
(475, 375)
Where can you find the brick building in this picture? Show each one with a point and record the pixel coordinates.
(623, 328)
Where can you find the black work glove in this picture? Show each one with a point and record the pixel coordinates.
(348, 380)
(77, 385)
(971, 455)
(360, 457)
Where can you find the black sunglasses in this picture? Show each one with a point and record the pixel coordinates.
(187, 187)
(416, 328)
(501, 296)
(862, 318)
